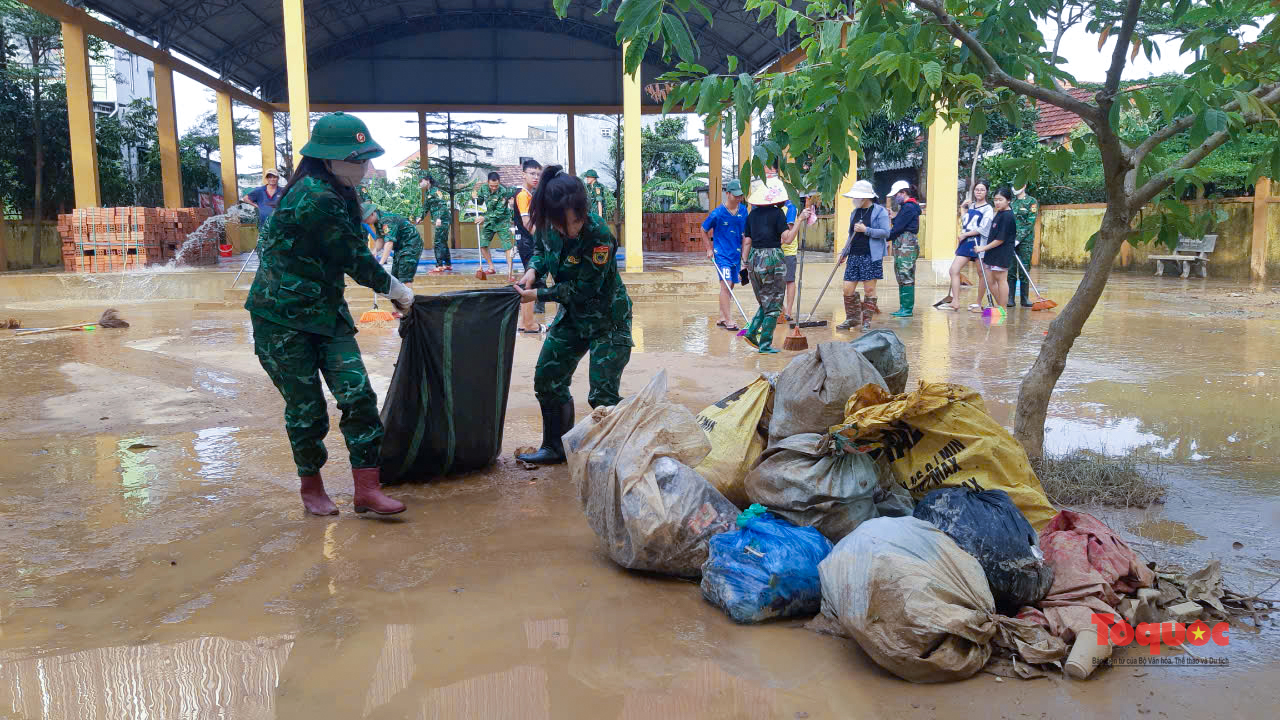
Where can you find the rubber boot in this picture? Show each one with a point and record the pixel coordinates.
(752, 334)
(556, 421)
(852, 312)
(314, 498)
(1023, 291)
(906, 300)
(871, 306)
(766, 335)
(369, 495)
(866, 318)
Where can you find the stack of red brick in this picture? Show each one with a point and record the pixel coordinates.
(97, 240)
(674, 232)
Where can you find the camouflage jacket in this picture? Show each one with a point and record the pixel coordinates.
(311, 242)
(595, 198)
(588, 286)
(1024, 215)
(436, 206)
(494, 203)
(395, 229)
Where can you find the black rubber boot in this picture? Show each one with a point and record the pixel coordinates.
(556, 421)
(1024, 291)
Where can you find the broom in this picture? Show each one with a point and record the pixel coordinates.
(110, 319)
(796, 341)
(993, 311)
(1043, 303)
(376, 315)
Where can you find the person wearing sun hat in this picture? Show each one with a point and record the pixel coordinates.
(766, 232)
(865, 249)
(302, 328)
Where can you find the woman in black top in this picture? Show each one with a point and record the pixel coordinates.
(762, 242)
(996, 255)
(905, 245)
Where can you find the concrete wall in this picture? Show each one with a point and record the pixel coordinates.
(17, 241)
(1064, 230)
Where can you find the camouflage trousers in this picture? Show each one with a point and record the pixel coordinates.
(404, 265)
(499, 231)
(1024, 251)
(442, 245)
(564, 347)
(906, 250)
(768, 281)
(295, 360)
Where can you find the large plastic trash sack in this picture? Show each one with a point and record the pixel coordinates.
(631, 465)
(988, 526)
(888, 355)
(919, 605)
(768, 568)
(733, 428)
(811, 393)
(446, 405)
(801, 480)
(940, 435)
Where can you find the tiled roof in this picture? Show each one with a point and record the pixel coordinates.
(1056, 122)
(512, 175)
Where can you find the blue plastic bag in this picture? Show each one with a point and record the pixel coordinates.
(766, 569)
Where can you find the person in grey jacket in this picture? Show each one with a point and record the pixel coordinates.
(868, 229)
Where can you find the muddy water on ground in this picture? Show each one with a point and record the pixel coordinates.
(154, 560)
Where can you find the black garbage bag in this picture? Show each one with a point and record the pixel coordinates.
(447, 402)
(888, 355)
(991, 528)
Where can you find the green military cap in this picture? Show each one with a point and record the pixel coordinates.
(591, 174)
(368, 209)
(341, 137)
(733, 187)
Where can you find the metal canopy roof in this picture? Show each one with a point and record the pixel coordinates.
(440, 52)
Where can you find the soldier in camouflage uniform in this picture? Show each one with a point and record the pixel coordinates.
(435, 213)
(1024, 209)
(595, 193)
(904, 238)
(575, 247)
(399, 236)
(302, 328)
(496, 225)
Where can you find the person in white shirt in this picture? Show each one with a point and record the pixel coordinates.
(976, 219)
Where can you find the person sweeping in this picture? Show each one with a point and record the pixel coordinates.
(575, 247)
(905, 244)
(399, 237)
(766, 232)
(302, 328)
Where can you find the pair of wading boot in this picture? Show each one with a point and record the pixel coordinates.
(557, 419)
(858, 312)
(906, 301)
(760, 333)
(368, 495)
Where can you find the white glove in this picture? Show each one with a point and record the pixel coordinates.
(400, 295)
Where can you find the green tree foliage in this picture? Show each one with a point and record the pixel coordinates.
(402, 197)
(666, 194)
(461, 153)
(958, 60)
(203, 136)
(664, 151)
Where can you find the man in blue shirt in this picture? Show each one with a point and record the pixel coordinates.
(265, 198)
(723, 229)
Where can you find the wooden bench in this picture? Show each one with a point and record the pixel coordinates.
(1201, 249)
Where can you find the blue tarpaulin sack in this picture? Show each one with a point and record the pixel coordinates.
(768, 568)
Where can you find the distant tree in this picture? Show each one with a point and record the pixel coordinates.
(203, 136)
(462, 154)
(614, 171)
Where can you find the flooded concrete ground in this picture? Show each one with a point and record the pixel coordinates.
(155, 561)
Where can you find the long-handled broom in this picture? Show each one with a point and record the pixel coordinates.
(809, 322)
(110, 319)
(796, 341)
(729, 287)
(993, 311)
(1043, 303)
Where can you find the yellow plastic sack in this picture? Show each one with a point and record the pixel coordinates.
(732, 426)
(941, 436)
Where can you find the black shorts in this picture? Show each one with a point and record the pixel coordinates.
(525, 248)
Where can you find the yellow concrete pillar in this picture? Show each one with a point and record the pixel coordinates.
(295, 53)
(941, 205)
(84, 147)
(1260, 239)
(227, 151)
(267, 134)
(571, 131)
(745, 147)
(633, 174)
(4, 239)
(715, 169)
(167, 124)
(844, 205)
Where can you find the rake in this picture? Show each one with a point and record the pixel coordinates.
(1043, 303)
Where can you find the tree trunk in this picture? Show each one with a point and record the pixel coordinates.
(37, 132)
(453, 185)
(1039, 382)
(973, 168)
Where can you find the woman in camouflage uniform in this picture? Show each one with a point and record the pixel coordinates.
(302, 328)
(574, 246)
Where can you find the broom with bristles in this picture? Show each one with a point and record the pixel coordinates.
(796, 341)
(110, 319)
(1043, 303)
(994, 311)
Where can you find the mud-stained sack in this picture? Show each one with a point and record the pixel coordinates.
(631, 465)
(733, 428)
(801, 480)
(940, 435)
(919, 605)
(989, 527)
(888, 355)
(447, 403)
(811, 393)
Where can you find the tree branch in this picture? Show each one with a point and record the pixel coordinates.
(998, 76)
(1164, 178)
(1185, 122)
(1122, 49)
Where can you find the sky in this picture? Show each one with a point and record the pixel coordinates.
(1080, 49)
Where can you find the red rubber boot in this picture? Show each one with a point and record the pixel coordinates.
(369, 495)
(314, 498)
